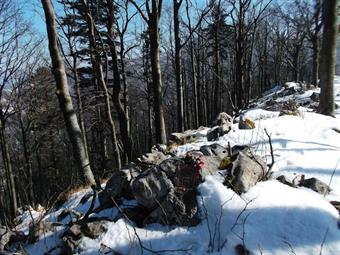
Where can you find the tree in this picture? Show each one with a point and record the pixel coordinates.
(123, 116)
(63, 94)
(328, 54)
(18, 49)
(178, 66)
(152, 18)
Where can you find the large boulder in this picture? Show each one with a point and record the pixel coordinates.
(221, 126)
(170, 166)
(119, 184)
(168, 191)
(178, 208)
(209, 165)
(244, 171)
(150, 187)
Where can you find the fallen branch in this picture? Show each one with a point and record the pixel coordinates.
(271, 154)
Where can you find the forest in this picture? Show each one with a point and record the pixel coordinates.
(119, 76)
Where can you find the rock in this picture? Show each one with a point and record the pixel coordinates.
(241, 250)
(336, 204)
(223, 125)
(284, 180)
(12, 240)
(244, 172)
(153, 158)
(178, 208)
(222, 118)
(246, 123)
(72, 214)
(171, 148)
(150, 187)
(183, 138)
(315, 184)
(72, 236)
(5, 237)
(270, 102)
(39, 229)
(74, 232)
(137, 214)
(94, 229)
(218, 131)
(119, 185)
(170, 166)
(188, 175)
(177, 139)
(288, 112)
(210, 166)
(69, 245)
(315, 97)
(158, 148)
(214, 150)
(225, 162)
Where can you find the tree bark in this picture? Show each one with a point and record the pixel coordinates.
(315, 42)
(316, 50)
(98, 70)
(79, 100)
(8, 168)
(178, 67)
(328, 54)
(63, 94)
(28, 161)
(153, 30)
(116, 95)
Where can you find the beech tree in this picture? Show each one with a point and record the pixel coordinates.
(152, 18)
(64, 97)
(328, 54)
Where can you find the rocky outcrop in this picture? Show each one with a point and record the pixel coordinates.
(221, 126)
(119, 184)
(151, 187)
(244, 171)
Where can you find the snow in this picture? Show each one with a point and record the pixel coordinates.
(260, 114)
(271, 218)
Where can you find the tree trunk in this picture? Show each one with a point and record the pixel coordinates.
(178, 68)
(28, 162)
(98, 70)
(8, 169)
(217, 75)
(315, 75)
(116, 95)
(64, 97)
(315, 42)
(156, 76)
(296, 66)
(79, 101)
(328, 54)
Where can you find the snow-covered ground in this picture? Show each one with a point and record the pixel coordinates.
(271, 218)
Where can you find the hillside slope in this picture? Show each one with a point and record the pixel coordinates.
(271, 218)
